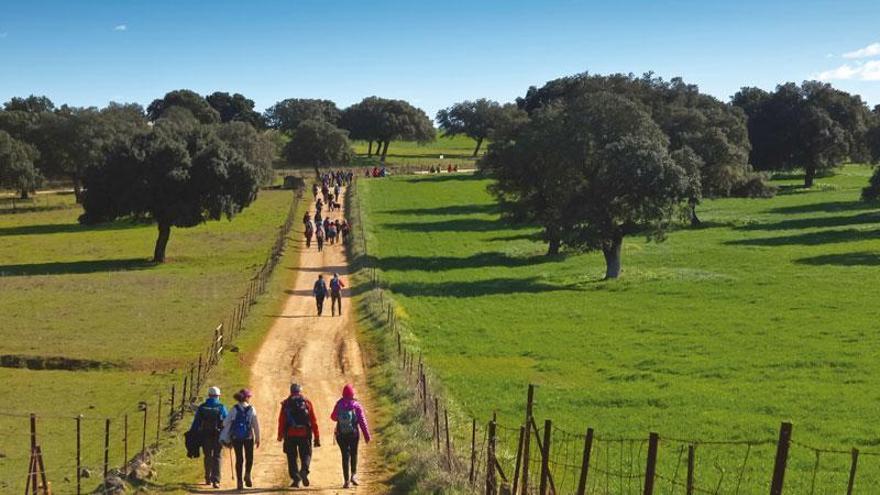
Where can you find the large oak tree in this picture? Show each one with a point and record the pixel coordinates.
(17, 170)
(318, 144)
(477, 119)
(382, 120)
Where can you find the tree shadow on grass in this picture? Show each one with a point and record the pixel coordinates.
(454, 225)
(444, 263)
(811, 239)
(528, 236)
(445, 178)
(75, 267)
(807, 223)
(861, 258)
(826, 207)
(490, 287)
(449, 210)
(66, 228)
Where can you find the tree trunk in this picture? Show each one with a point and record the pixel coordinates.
(611, 251)
(77, 190)
(385, 150)
(25, 194)
(695, 220)
(370, 148)
(809, 176)
(477, 149)
(162, 242)
(553, 248)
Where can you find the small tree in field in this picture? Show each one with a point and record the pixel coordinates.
(475, 119)
(17, 169)
(179, 174)
(320, 144)
(591, 171)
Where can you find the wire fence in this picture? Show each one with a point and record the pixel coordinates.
(541, 458)
(75, 453)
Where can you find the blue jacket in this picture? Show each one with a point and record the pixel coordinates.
(211, 402)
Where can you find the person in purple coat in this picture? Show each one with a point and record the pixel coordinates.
(350, 423)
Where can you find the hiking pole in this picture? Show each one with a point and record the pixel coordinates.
(231, 466)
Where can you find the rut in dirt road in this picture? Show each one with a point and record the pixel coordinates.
(322, 354)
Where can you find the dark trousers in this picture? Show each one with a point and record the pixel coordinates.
(299, 456)
(348, 446)
(319, 300)
(212, 452)
(320, 244)
(244, 457)
(335, 300)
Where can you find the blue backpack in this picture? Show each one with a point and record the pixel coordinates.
(241, 425)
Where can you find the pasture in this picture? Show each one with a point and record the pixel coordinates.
(88, 294)
(456, 150)
(766, 313)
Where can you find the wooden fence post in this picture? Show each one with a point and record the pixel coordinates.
(79, 454)
(144, 433)
(183, 393)
(781, 459)
(852, 471)
(158, 417)
(518, 466)
(491, 481)
(473, 450)
(173, 400)
(690, 473)
(651, 464)
(106, 447)
(527, 442)
(125, 442)
(199, 375)
(448, 440)
(33, 472)
(545, 458)
(585, 462)
(436, 424)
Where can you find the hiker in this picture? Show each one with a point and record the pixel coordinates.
(336, 191)
(242, 429)
(319, 238)
(345, 228)
(330, 202)
(208, 423)
(336, 286)
(350, 423)
(307, 218)
(315, 190)
(296, 428)
(320, 292)
(319, 205)
(331, 233)
(309, 233)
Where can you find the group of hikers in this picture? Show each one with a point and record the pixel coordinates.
(323, 229)
(375, 172)
(449, 169)
(214, 427)
(321, 289)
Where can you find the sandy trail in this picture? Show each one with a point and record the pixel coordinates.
(322, 354)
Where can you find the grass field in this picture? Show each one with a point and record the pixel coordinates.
(456, 150)
(767, 313)
(88, 293)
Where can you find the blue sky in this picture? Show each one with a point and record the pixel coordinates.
(430, 53)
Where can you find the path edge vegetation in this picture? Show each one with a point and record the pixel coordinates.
(406, 441)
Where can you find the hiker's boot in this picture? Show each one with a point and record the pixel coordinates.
(247, 482)
(346, 484)
(295, 484)
(305, 478)
(354, 480)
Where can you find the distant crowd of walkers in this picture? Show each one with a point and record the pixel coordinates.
(323, 229)
(214, 427)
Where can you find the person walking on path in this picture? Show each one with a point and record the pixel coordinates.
(336, 286)
(309, 233)
(208, 423)
(320, 292)
(241, 428)
(350, 423)
(319, 238)
(298, 429)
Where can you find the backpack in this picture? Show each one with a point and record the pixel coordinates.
(298, 413)
(319, 234)
(209, 419)
(346, 422)
(241, 426)
(334, 285)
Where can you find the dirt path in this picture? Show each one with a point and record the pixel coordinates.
(322, 354)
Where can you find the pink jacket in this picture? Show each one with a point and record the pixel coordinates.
(347, 403)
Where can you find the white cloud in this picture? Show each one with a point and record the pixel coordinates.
(121, 27)
(871, 50)
(859, 71)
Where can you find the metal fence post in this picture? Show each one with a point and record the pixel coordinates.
(651, 464)
(781, 459)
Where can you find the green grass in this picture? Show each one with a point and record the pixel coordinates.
(765, 314)
(89, 293)
(456, 150)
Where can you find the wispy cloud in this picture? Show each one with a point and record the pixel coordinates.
(871, 50)
(858, 71)
(121, 27)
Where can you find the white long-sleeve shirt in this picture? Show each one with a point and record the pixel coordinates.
(226, 434)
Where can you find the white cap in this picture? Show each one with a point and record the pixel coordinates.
(214, 392)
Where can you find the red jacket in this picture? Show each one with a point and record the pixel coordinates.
(297, 431)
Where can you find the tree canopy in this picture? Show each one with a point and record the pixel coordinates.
(187, 99)
(287, 115)
(30, 104)
(17, 170)
(319, 144)
(382, 120)
(235, 108)
(812, 126)
(178, 174)
(590, 169)
(476, 119)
